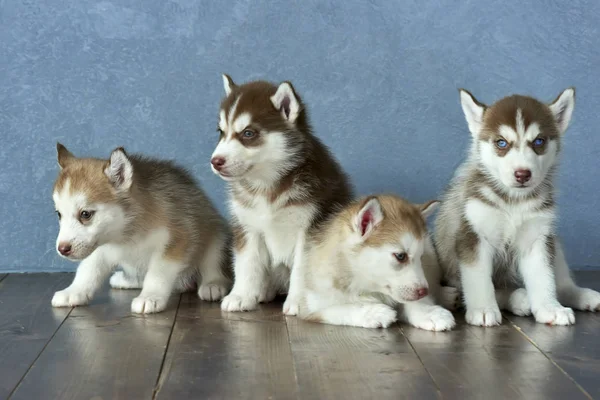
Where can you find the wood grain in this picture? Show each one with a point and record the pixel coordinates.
(102, 351)
(470, 361)
(575, 349)
(338, 362)
(214, 355)
(27, 322)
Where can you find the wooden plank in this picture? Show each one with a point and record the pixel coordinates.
(339, 362)
(574, 349)
(27, 322)
(215, 355)
(102, 351)
(498, 362)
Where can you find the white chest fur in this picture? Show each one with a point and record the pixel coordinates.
(279, 226)
(517, 225)
(136, 253)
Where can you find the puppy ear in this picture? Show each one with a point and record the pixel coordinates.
(286, 101)
(473, 111)
(562, 108)
(228, 84)
(119, 170)
(64, 156)
(369, 216)
(427, 209)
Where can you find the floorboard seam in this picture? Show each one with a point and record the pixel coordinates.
(40, 353)
(3, 277)
(534, 344)
(287, 330)
(158, 383)
(422, 363)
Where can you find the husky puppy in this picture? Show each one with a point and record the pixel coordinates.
(283, 181)
(374, 254)
(496, 226)
(147, 216)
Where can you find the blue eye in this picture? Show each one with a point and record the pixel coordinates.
(501, 143)
(248, 134)
(539, 142)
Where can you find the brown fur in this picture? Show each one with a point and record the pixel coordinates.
(162, 195)
(315, 177)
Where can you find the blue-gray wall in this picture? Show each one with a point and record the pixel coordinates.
(380, 79)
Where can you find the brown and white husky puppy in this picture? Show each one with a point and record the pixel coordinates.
(373, 255)
(147, 216)
(496, 230)
(283, 182)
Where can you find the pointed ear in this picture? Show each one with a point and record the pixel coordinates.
(286, 101)
(119, 170)
(427, 209)
(228, 84)
(473, 111)
(64, 156)
(369, 216)
(562, 108)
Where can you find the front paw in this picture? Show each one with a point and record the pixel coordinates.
(119, 280)
(148, 304)
(484, 316)
(587, 300)
(554, 314)
(70, 298)
(449, 298)
(213, 291)
(233, 303)
(435, 319)
(290, 306)
(377, 316)
(518, 303)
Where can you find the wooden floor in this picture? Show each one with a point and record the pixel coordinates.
(193, 351)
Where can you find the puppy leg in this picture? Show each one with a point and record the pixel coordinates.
(214, 284)
(250, 263)
(516, 301)
(424, 314)
(569, 294)
(158, 285)
(365, 315)
(89, 277)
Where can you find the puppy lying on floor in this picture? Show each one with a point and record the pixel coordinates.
(369, 257)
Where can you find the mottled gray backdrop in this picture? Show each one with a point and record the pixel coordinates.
(380, 79)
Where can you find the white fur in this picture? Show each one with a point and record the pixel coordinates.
(107, 222)
(120, 170)
(101, 245)
(374, 281)
(285, 93)
(563, 108)
(522, 225)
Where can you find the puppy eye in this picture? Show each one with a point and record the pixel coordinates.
(401, 257)
(501, 143)
(539, 142)
(86, 215)
(248, 134)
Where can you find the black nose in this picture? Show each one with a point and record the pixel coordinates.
(218, 162)
(64, 249)
(523, 175)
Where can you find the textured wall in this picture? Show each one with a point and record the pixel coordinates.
(380, 79)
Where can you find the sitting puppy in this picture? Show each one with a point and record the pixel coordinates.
(147, 216)
(374, 254)
(496, 230)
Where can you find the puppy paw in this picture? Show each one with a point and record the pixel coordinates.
(518, 303)
(585, 300)
(234, 303)
(70, 298)
(485, 316)
(435, 319)
(290, 306)
(213, 291)
(450, 298)
(119, 280)
(554, 314)
(148, 304)
(377, 316)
